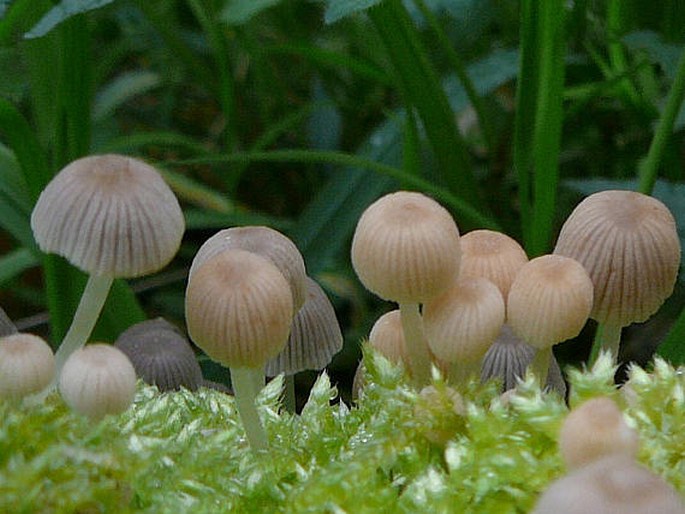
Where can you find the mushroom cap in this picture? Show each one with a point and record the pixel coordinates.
(462, 323)
(387, 337)
(608, 486)
(492, 255)
(264, 241)
(161, 355)
(315, 336)
(549, 301)
(629, 246)
(406, 248)
(6, 326)
(593, 430)
(27, 365)
(239, 309)
(97, 380)
(508, 359)
(109, 215)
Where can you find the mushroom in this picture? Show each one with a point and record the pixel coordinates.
(238, 311)
(161, 355)
(593, 430)
(629, 246)
(387, 337)
(406, 249)
(27, 366)
(611, 485)
(111, 216)
(97, 380)
(492, 255)
(462, 323)
(549, 302)
(6, 325)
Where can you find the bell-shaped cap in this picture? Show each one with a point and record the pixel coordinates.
(387, 337)
(239, 309)
(593, 430)
(109, 215)
(406, 248)
(549, 301)
(97, 380)
(6, 326)
(315, 336)
(629, 246)
(462, 323)
(268, 243)
(491, 255)
(161, 355)
(27, 366)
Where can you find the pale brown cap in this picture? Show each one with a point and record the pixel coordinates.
(492, 255)
(97, 380)
(268, 243)
(239, 309)
(27, 365)
(315, 336)
(612, 485)
(549, 301)
(406, 248)
(462, 323)
(629, 246)
(387, 337)
(593, 430)
(109, 215)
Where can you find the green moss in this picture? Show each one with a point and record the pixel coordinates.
(183, 451)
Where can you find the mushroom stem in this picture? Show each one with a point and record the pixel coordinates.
(418, 356)
(244, 382)
(89, 307)
(289, 398)
(461, 372)
(608, 338)
(540, 365)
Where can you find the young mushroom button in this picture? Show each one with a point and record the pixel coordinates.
(27, 366)
(111, 216)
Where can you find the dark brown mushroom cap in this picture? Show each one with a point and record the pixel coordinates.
(508, 359)
(6, 326)
(629, 246)
(109, 215)
(161, 355)
(315, 336)
(264, 241)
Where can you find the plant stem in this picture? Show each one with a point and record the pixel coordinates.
(244, 388)
(92, 301)
(419, 357)
(540, 365)
(649, 169)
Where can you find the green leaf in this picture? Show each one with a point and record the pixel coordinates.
(16, 262)
(62, 12)
(239, 12)
(339, 9)
(120, 90)
(664, 54)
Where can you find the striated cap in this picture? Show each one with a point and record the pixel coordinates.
(239, 309)
(97, 380)
(161, 355)
(629, 246)
(406, 248)
(315, 336)
(268, 243)
(491, 255)
(549, 301)
(593, 430)
(27, 365)
(462, 323)
(109, 215)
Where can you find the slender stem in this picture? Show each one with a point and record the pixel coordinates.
(289, 398)
(461, 372)
(608, 338)
(245, 390)
(417, 349)
(87, 313)
(540, 365)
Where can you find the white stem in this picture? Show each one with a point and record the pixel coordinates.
(244, 381)
(87, 313)
(540, 365)
(417, 349)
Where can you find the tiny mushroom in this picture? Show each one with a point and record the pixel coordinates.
(406, 249)
(111, 216)
(161, 355)
(27, 366)
(97, 380)
(628, 243)
(549, 302)
(387, 337)
(238, 311)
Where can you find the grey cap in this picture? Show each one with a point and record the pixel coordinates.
(6, 326)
